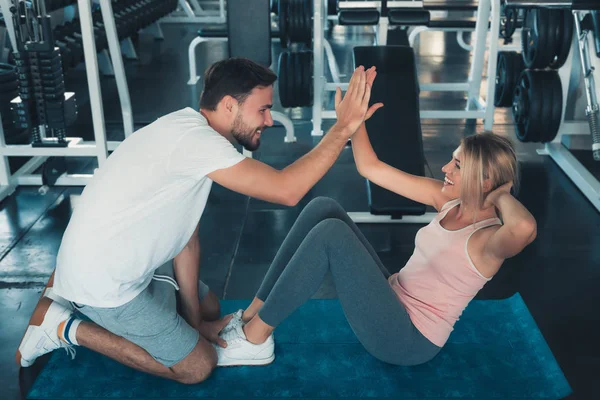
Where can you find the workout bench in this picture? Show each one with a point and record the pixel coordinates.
(249, 40)
(394, 131)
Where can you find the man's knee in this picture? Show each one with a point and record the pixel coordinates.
(197, 366)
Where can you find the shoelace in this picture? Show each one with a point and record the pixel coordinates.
(230, 335)
(70, 350)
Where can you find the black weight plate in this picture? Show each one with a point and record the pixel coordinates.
(7, 72)
(297, 62)
(554, 84)
(526, 109)
(9, 87)
(303, 25)
(563, 45)
(294, 20)
(535, 118)
(292, 80)
(283, 23)
(535, 38)
(300, 21)
(304, 88)
(283, 77)
(304, 84)
(503, 96)
(510, 66)
(554, 23)
(308, 81)
(508, 22)
(545, 99)
(308, 15)
(546, 38)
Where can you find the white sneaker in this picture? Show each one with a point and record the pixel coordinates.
(43, 338)
(49, 293)
(235, 321)
(240, 351)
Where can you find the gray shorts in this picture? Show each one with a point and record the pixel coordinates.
(151, 320)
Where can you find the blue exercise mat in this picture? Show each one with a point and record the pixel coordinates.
(495, 352)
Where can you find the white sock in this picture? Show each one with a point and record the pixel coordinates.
(67, 330)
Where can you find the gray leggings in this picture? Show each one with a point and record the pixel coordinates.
(325, 239)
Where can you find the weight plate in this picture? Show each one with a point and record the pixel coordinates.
(508, 22)
(510, 66)
(308, 15)
(554, 85)
(298, 75)
(308, 82)
(527, 108)
(565, 40)
(535, 38)
(283, 23)
(7, 73)
(502, 96)
(296, 17)
(283, 77)
(292, 92)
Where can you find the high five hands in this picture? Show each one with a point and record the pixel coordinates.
(353, 109)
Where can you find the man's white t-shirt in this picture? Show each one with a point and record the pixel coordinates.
(140, 209)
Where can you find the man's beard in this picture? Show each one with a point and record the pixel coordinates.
(244, 134)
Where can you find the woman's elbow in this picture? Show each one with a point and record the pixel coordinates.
(365, 169)
(528, 230)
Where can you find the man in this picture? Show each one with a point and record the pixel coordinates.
(132, 242)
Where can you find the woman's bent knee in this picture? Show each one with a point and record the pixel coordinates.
(324, 203)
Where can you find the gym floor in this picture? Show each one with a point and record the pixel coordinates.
(557, 275)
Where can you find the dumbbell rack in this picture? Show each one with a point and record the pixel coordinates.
(476, 106)
(76, 147)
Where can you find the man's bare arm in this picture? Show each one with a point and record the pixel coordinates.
(256, 179)
(288, 186)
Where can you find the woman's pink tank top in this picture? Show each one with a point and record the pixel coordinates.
(439, 280)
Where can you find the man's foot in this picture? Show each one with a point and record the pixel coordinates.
(240, 351)
(236, 320)
(41, 336)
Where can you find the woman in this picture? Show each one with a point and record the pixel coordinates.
(407, 317)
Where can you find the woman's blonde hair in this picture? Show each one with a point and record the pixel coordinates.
(486, 156)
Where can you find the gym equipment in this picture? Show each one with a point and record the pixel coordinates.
(252, 41)
(196, 12)
(295, 22)
(399, 146)
(295, 78)
(45, 67)
(509, 22)
(537, 106)
(510, 66)
(411, 13)
(495, 351)
(42, 107)
(546, 38)
(570, 134)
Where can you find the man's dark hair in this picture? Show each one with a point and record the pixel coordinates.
(236, 77)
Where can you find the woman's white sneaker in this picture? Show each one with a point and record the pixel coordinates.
(240, 351)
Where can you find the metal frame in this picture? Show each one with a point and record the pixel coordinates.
(191, 12)
(368, 218)
(476, 106)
